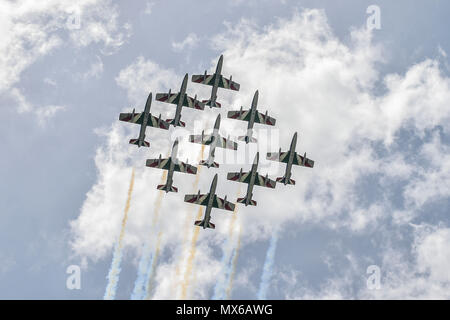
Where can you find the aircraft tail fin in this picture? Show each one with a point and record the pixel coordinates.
(202, 223)
(285, 181)
(166, 188)
(206, 163)
(178, 123)
(247, 139)
(211, 104)
(136, 142)
(244, 201)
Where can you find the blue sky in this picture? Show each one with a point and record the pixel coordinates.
(371, 108)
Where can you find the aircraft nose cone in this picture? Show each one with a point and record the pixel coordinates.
(217, 123)
(256, 158)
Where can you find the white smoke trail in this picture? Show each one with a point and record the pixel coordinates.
(114, 271)
(139, 284)
(226, 262)
(232, 269)
(149, 281)
(268, 267)
(148, 251)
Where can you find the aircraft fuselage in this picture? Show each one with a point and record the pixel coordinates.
(209, 206)
(251, 121)
(213, 144)
(216, 81)
(251, 183)
(145, 120)
(181, 96)
(291, 158)
(173, 161)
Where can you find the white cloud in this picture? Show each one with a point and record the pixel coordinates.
(311, 83)
(95, 70)
(47, 112)
(432, 182)
(30, 30)
(189, 42)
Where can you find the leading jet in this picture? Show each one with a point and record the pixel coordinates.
(144, 119)
(216, 80)
(252, 116)
(213, 140)
(290, 157)
(210, 200)
(252, 178)
(181, 99)
(171, 164)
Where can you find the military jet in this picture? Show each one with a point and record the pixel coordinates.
(210, 200)
(181, 99)
(251, 116)
(144, 119)
(215, 80)
(213, 140)
(290, 157)
(252, 178)
(171, 164)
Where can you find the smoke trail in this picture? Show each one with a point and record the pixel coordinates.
(138, 290)
(189, 264)
(268, 266)
(114, 271)
(152, 264)
(233, 265)
(147, 252)
(219, 288)
(187, 227)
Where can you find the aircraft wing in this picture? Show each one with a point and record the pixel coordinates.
(175, 98)
(238, 176)
(209, 79)
(222, 204)
(228, 84)
(193, 103)
(284, 157)
(264, 181)
(158, 163)
(199, 138)
(278, 156)
(184, 167)
(200, 199)
(204, 79)
(263, 118)
(207, 139)
(225, 143)
(133, 118)
(168, 97)
(302, 161)
(138, 118)
(239, 115)
(157, 122)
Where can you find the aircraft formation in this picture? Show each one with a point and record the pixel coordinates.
(172, 164)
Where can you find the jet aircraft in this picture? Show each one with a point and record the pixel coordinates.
(213, 140)
(252, 116)
(290, 157)
(210, 200)
(181, 99)
(215, 80)
(171, 164)
(144, 119)
(252, 178)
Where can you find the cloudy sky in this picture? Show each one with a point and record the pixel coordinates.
(371, 107)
